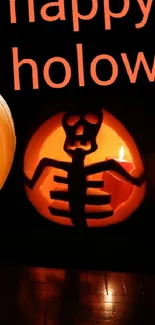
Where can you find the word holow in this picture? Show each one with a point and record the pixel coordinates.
(140, 63)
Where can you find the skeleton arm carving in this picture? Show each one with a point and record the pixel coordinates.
(45, 162)
(113, 165)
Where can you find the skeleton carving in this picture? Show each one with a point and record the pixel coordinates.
(81, 132)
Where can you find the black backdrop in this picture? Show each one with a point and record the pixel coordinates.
(25, 236)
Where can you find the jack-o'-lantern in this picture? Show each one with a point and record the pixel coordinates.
(84, 170)
(7, 141)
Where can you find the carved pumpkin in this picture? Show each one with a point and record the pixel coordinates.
(84, 170)
(7, 141)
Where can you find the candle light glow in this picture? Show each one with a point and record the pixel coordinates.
(119, 189)
(121, 153)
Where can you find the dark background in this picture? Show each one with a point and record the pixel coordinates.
(25, 236)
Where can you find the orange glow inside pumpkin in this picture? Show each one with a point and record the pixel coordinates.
(113, 141)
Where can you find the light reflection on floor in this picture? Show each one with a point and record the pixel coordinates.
(38, 296)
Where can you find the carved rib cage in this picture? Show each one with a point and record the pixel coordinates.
(96, 202)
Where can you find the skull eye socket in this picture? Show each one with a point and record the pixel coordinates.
(72, 120)
(91, 118)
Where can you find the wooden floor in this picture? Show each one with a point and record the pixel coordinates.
(38, 296)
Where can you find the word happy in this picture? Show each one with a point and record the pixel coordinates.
(108, 17)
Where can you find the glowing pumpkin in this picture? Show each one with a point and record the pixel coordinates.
(84, 170)
(7, 141)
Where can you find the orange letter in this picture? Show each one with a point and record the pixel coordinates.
(31, 11)
(13, 15)
(80, 65)
(60, 15)
(17, 65)
(77, 15)
(68, 72)
(108, 13)
(133, 74)
(145, 10)
(114, 70)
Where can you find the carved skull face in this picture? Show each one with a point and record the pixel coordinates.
(81, 131)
